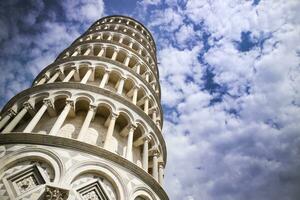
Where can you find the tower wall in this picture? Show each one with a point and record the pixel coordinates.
(90, 125)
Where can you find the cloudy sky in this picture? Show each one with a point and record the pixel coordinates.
(230, 77)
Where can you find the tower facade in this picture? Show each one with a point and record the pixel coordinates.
(90, 126)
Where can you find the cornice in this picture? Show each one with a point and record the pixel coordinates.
(107, 93)
(49, 140)
(106, 60)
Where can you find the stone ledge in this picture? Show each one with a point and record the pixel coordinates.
(49, 140)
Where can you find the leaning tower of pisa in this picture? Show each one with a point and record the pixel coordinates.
(90, 126)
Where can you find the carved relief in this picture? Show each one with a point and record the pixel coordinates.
(54, 193)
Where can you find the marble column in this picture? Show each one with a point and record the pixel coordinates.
(121, 40)
(135, 94)
(145, 153)
(127, 59)
(114, 56)
(155, 166)
(104, 79)
(138, 68)
(61, 118)
(55, 76)
(6, 118)
(87, 76)
(88, 51)
(76, 52)
(101, 52)
(69, 76)
(17, 118)
(146, 105)
(130, 142)
(161, 173)
(98, 37)
(121, 85)
(154, 116)
(89, 116)
(147, 76)
(110, 130)
(31, 125)
(130, 44)
(43, 80)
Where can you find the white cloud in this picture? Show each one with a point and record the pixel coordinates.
(36, 35)
(185, 34)
(167, 20)
(246, 146)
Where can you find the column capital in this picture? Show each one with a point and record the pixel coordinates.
(161, 165)
(156, 153)
(116, 49)
(132, 126)
(92, 107)
(106, 70)
(59, 69)
(123, 78)
(136, 87)
(114, 115)
(147, 138)
(48, 102)
(11, 112)
(70, 102)
(147, 72)
(27, 106)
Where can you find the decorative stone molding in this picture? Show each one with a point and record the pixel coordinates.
(55, 193)
(49, 140)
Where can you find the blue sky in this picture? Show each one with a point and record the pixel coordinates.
(230, 76)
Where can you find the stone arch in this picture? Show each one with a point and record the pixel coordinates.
(142, 193)
(61, 94)
(83, 96)
(101, 169)
(107, 103)
(122, 55)
(36, 98)
(114, 77)
(130, 117)
(154, 140)
(35, 154)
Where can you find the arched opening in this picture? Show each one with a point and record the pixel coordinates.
(122, 128)
(137, 149)
(93, 185)
(113, 80)
(135, 46)
(97, 49)
(116, 37)
(127, 89)
(133, 61)
(99, 72)
(109, 52)
(83, 68)
(121, 56)
(50, 116)
(72, 124)
(140, 98)
(98, 127)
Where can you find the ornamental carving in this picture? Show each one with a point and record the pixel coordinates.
(54, 193)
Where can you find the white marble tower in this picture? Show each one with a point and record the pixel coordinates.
(90, 126)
